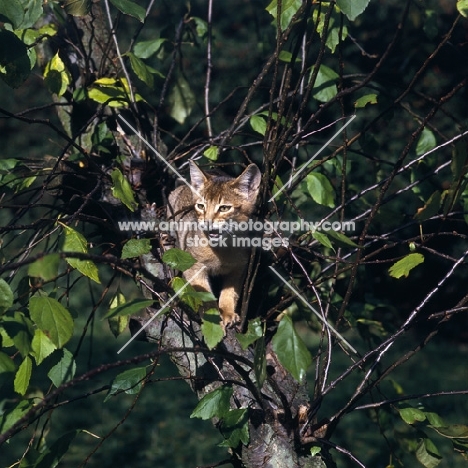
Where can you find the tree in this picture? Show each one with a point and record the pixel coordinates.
(305, 91)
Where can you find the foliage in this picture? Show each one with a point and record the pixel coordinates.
(355, 113)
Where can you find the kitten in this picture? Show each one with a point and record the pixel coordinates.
(215, 201)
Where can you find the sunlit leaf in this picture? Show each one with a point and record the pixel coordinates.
(258, 124)
(364, 100)
(76, 242)
(122, 190)
(52, 318)
(8, 419)
(320, 189)
(323, 239)
(291, 350)
(211, 329)
(178, 259)
(462, 7)
(136, 247)
(405, 265)
(56, 76)
(23, 376)
(211, 153)
(214, 404)
(41, 346)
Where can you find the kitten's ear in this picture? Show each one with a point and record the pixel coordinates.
(197, 176)
(249, 180)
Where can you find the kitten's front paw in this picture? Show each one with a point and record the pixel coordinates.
(230, 321)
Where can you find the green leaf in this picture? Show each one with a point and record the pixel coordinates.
(325, 88)
(352, 9)
(323, 239)
(431, 208)
(143, 71)
(291, 350)
(235, 428)
(136, 247)
(76, 242)
(212, 153)
(405, 265)
(41, 346)
(51, 457)
(426, 142)
(459, 164)
(52, 318)
(112, 92)
(454, 431)
(411, 415)
(23, 376)
(118, 324)
(15, 65)
(340, 239)
(427, 453)
(260, 368)
(13, 11)
(45, 268)
(211, 329)
(253, 333)
(462, 7)
(129, 381)
(181, 100)
(6, 296)
(288, 10)
(56, 76)
(20, 329)
(129, 308)
(130, 8)
(146, 49)
(201, 26)
(77, 7)
(364, 100)
(6, 363)
(178, 259)
(214, 404)
(7, 420)
(258, 123)
(320, 189)
(122, 190)
(64, 370)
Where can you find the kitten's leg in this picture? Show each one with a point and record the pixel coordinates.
(230, 293)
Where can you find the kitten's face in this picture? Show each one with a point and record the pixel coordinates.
(223, 198)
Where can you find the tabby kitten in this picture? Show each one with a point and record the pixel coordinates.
(208, 210)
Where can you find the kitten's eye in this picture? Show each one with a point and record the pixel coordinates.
(224, 208)
(200, 206)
